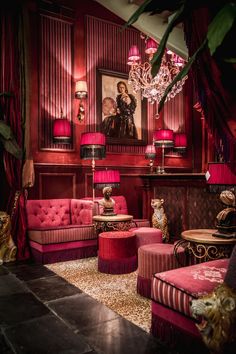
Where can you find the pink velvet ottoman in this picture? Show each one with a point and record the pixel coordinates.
(117, 252)
(155, 258)
(147, 235)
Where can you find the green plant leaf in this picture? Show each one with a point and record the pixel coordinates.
(8, 141)
(157, 58)
(220, 26)
(5, 130)
(137, 13)
(181, 74)
(12, 147)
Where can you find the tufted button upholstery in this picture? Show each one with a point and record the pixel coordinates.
(48, 213)
(81, 212)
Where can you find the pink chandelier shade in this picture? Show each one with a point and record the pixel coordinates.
(163, 137)
(62, 131)
(150, 152)
(93, 146)
(180, 141)
(134, 54)
(106, 178)
(151, 46)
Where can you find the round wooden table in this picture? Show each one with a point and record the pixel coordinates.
(203, 246)
(119, 222)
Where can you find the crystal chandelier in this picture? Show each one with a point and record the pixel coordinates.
(140, 76)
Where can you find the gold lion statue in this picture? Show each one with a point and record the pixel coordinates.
(217, 312)
(7, 246)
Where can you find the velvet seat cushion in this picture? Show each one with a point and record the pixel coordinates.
(61, 234)
(147, 235)
(176, 288)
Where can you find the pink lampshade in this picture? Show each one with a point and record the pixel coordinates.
(106, 178)
(151, 46)
(220, 173)
(134, 54)
(93, 146)
(62, 131)
(150, 152)
(163, 137)
(180, 141)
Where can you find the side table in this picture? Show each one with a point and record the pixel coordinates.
(119, 222)
(203, 246)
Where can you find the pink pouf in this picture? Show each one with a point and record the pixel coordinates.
(147, 235)
(117, 252)
(155, 258)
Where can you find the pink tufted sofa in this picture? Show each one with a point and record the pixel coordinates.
(61, 229)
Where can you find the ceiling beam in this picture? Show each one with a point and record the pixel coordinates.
(153, 26)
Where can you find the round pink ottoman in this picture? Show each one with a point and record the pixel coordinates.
(155, 258)
(117, 252)
(147, 235)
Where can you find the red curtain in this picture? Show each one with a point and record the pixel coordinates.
(12, 80)
(214, 81)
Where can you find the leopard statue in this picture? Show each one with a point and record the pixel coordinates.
(159, 219)
(217, 312)
(7, 246)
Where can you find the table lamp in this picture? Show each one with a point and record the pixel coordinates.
(106, 180)
(150, 154)
(93, 147)
(180, 142)
(163, 138)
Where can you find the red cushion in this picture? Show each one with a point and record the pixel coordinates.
(117, 244)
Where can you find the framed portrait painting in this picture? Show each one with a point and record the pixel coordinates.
(121, 114)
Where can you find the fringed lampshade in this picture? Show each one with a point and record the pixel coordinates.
(163, 137)
(106, 178)
(180, 142)
(150, 154)
(61, 131)
(92, 146)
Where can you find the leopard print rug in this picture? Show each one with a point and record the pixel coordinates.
(118, 292)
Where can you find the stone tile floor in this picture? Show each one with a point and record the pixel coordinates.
(42, 313)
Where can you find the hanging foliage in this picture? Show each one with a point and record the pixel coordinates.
(7, 138)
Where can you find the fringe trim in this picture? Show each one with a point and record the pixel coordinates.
(121, 266)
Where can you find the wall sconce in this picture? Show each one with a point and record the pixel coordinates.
(81, 92)
(61, 130)
(163, 138)
(93, 147)
(150, 154)
(180, 142)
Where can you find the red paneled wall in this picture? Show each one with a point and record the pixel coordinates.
(87, 39)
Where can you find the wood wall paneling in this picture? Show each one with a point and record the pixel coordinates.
(57, 185)
(188, 203)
